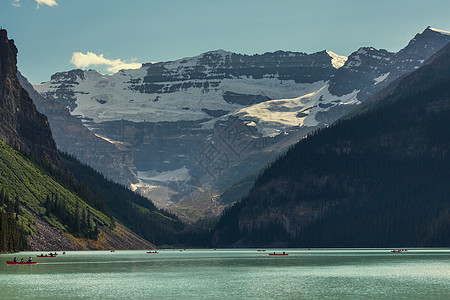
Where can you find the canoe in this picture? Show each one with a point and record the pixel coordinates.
(261, 250)
(46, 256)
(19, 263)
(398, 251)
(278, 254)
(152, 252)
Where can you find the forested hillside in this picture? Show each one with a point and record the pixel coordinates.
(27, 189)
(12, 237)
(376, 179)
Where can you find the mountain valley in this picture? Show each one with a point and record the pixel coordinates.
(181, 132)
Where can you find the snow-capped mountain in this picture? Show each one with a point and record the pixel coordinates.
(188, 89)
(369, 70)
(197, 124)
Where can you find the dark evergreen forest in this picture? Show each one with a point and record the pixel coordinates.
(12, 238)
(378, 178)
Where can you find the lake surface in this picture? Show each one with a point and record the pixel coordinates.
(230, 274)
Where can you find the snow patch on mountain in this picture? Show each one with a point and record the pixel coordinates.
(439, 30)
(181, 174)
(275, 117)
(381, 78)
(337, 60)
(101, 98)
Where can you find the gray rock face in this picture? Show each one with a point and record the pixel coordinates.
(220, 64)
(21, 125)
(369, 70)
(71, 136)
(360, 71)
(195, 125)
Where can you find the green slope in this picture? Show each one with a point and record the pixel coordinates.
(28, 184)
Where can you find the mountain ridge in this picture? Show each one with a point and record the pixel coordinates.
(376, 179)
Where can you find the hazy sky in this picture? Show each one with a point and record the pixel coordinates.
(56, 35)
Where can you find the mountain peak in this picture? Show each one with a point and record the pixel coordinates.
(219, 52)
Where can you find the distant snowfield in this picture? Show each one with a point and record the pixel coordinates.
(103, 98)
(275, 117)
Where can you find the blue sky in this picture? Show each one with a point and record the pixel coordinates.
(118, 32)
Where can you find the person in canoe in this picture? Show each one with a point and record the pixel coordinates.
(15, 259)
(21, 261)
(29, 259)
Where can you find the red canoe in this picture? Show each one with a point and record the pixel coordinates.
(261, 250)
(278, 254)
(46, 256)
(152, 252)
(19, 263)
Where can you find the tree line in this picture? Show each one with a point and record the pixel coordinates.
(80, 223)
(12, 237)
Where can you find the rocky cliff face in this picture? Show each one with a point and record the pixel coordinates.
(71, 136)
(21, 125)
(197, 124)
(369, 70)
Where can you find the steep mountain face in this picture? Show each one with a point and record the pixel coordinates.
(370, 70)
(74, 138)
(198, 124)
(376, 179)
(21, 124)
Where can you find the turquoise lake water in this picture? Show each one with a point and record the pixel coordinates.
(230, 274)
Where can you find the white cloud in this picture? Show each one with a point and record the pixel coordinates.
(81, 60)
(46, 2)
(16, 3)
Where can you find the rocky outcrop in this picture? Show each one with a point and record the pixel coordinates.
(21, 125)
